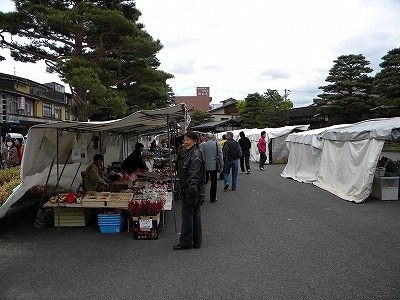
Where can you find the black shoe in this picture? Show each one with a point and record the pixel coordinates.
(212, 201)
(181, 247)
(196, 246)
(226, 186)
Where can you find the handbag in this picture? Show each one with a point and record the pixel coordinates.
(219, 165)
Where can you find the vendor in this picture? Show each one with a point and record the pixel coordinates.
(93, 177)
(134, 162)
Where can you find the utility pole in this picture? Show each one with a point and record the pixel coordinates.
(286, 94)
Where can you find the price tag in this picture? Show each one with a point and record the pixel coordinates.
(146, 224)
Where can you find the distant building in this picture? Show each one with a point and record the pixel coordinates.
(26, 103)
(228, 110)
(202, 100)
(307, 115)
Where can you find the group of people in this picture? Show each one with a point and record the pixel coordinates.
(11, 153)
(197, 163)
(201, 163)
(94, 178)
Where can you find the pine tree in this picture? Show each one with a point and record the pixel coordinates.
(348, 98)
(97, 47)
(387, 81)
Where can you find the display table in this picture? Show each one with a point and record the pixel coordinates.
(74, 214)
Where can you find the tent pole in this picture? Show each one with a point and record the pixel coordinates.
(57, 184)
(170, 169)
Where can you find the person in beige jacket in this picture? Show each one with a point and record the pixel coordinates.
(94, 180)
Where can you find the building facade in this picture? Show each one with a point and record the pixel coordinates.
(26, 103)
(202, 100)
(228, 111)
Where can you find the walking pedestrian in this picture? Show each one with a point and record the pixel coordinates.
(9, 154)
(192, 179)
(212, 153)
(222, 143)
(262, 148)
(245, 145)
(231, 153)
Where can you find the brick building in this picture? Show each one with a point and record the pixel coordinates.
(202, 100)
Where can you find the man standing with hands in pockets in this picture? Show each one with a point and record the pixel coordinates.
(212, 152)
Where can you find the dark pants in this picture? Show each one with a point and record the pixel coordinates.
(263, 159)
(191, 233)
(245, 161)
(212, 175)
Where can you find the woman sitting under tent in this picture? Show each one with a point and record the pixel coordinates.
(93, 177)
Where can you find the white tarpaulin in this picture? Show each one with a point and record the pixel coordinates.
(305, 150)
(49, 147)
(347, 168)
(345, 158)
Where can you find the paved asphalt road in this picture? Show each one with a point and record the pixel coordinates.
(272, 238)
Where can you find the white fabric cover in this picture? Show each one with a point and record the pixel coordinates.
(305, 149)
(303, 162)
(340, 159)
(347, 168)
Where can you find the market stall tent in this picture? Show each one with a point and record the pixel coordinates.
(57, 152)
(277, 135)
(346, 156)
(304, 158)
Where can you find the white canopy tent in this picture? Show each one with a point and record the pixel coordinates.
(305, 150)
(277, 135)
(340, 159)
(57, 152)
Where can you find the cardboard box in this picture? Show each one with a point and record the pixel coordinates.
(146, 227)
(119, 185)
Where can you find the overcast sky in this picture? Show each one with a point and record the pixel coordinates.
(241, 47)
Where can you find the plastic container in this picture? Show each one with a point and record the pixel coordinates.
(110, 223)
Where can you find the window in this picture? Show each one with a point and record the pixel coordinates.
(67, 116)
(29, 108)
(47, 110)
(57, 112)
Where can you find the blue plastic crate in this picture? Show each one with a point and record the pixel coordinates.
(111, 223)
(109, 217)
(111, 228)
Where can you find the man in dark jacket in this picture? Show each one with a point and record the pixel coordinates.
(192, 179)
(231, 153)
(245, 145)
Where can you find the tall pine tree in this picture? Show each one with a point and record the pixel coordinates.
(387, 81)
(348, 97)
(97, 47)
